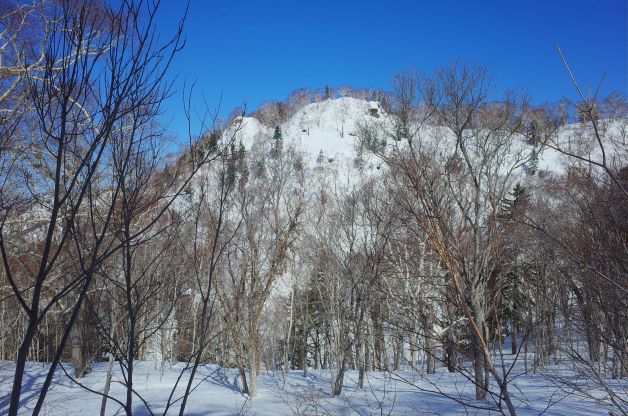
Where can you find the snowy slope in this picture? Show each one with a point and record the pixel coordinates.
(329, 125)
(332, 125)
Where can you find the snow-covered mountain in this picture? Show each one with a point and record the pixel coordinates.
(331, 127)
(328, 125)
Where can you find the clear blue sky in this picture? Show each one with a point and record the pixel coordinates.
(252, 51)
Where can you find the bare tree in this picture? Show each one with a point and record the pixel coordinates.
(103, 68)
(456, 209)
(269, 204)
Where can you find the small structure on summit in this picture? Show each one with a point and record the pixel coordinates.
(374, 108)
(237, 120)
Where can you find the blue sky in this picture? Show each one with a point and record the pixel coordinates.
(252, 51)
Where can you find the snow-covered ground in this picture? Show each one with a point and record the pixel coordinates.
(217, 393)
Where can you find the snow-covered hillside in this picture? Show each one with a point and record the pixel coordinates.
(331, 126)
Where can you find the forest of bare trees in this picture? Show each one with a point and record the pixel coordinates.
(460, 252)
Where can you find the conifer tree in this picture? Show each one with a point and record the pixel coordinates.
(321, 157)
(243, 168)
(513, 206)
(328, 92)
(259, 168)
(533, 164)
(358, 162)
(277, 142)
(512, 299)
(231, 167)
(532, 133)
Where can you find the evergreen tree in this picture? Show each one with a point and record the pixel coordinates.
(532, 133)
(321, 157)
(277, 142)
(512, 303)
(328, 92)
(358, 162)
(259, 168)
(212, 142)
(513, 206)
(533, 163)
(243, 168)
(512, 299)
(231, 165)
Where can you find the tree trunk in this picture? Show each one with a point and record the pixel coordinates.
(362, 370)
(479, 357)
(478, 367)
(253, 371)
(359, 355)
(398, 352)
(286, 358)
(429, 351)
(245, 385)
(414, 353)
(513, 337)
(379, 346)
(103, 404)
(130, 364)
(20, 365)
(306, 330)
(452, 352)
(340, 377)
(317, 346)
(430, 347)
(81, 364)
(367, 355)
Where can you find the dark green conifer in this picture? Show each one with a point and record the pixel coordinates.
(277, 143)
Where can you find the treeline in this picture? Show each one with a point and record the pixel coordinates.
(463, 243)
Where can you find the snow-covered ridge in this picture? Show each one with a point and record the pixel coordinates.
(331, 126)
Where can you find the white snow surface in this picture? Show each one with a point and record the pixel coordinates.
(332, 126)
(328, 125)
(217, 392)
